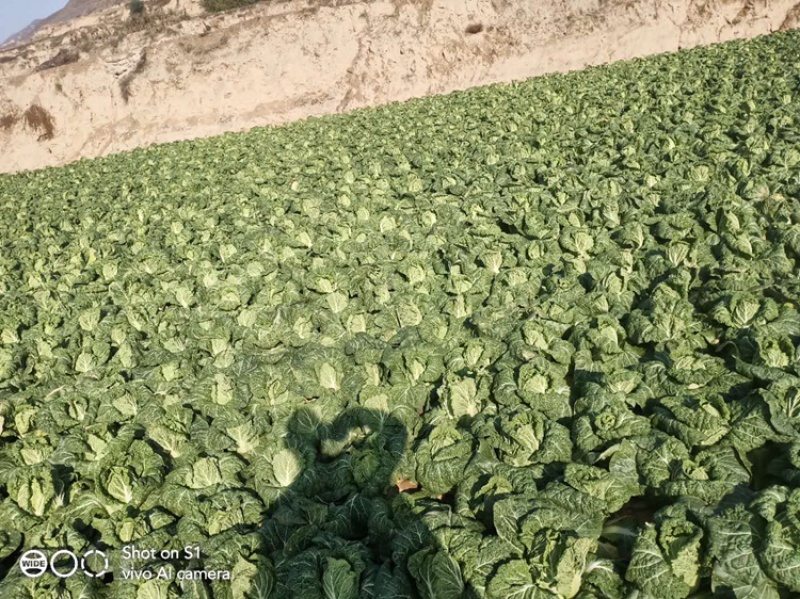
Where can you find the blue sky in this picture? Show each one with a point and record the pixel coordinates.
(18, 14)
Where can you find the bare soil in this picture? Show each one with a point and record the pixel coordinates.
(183, 74)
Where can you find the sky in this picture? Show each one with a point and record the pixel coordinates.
(18, 14)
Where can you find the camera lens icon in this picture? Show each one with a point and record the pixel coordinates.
(33, 563)
(75, 562)
(97, 555)
(64, 563)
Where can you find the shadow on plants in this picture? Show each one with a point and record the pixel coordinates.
(343, 529)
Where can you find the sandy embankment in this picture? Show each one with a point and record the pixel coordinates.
(281, 61)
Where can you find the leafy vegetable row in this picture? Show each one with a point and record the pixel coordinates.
(537, 340)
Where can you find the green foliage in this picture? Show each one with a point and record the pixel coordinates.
(538, 340)
(136, 7)
(223, 5)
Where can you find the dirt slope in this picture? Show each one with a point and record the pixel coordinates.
(74, 9)
(184, 75)
(21, 37)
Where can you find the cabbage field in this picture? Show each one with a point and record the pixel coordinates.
(530, 341)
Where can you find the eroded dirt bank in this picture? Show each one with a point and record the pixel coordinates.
(192, 75)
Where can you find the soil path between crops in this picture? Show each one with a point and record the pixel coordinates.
(102, 84)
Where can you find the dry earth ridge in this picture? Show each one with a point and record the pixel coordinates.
(91, 81)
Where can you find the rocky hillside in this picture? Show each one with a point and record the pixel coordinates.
(74, 9)
(22, 37)
(94, 81)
